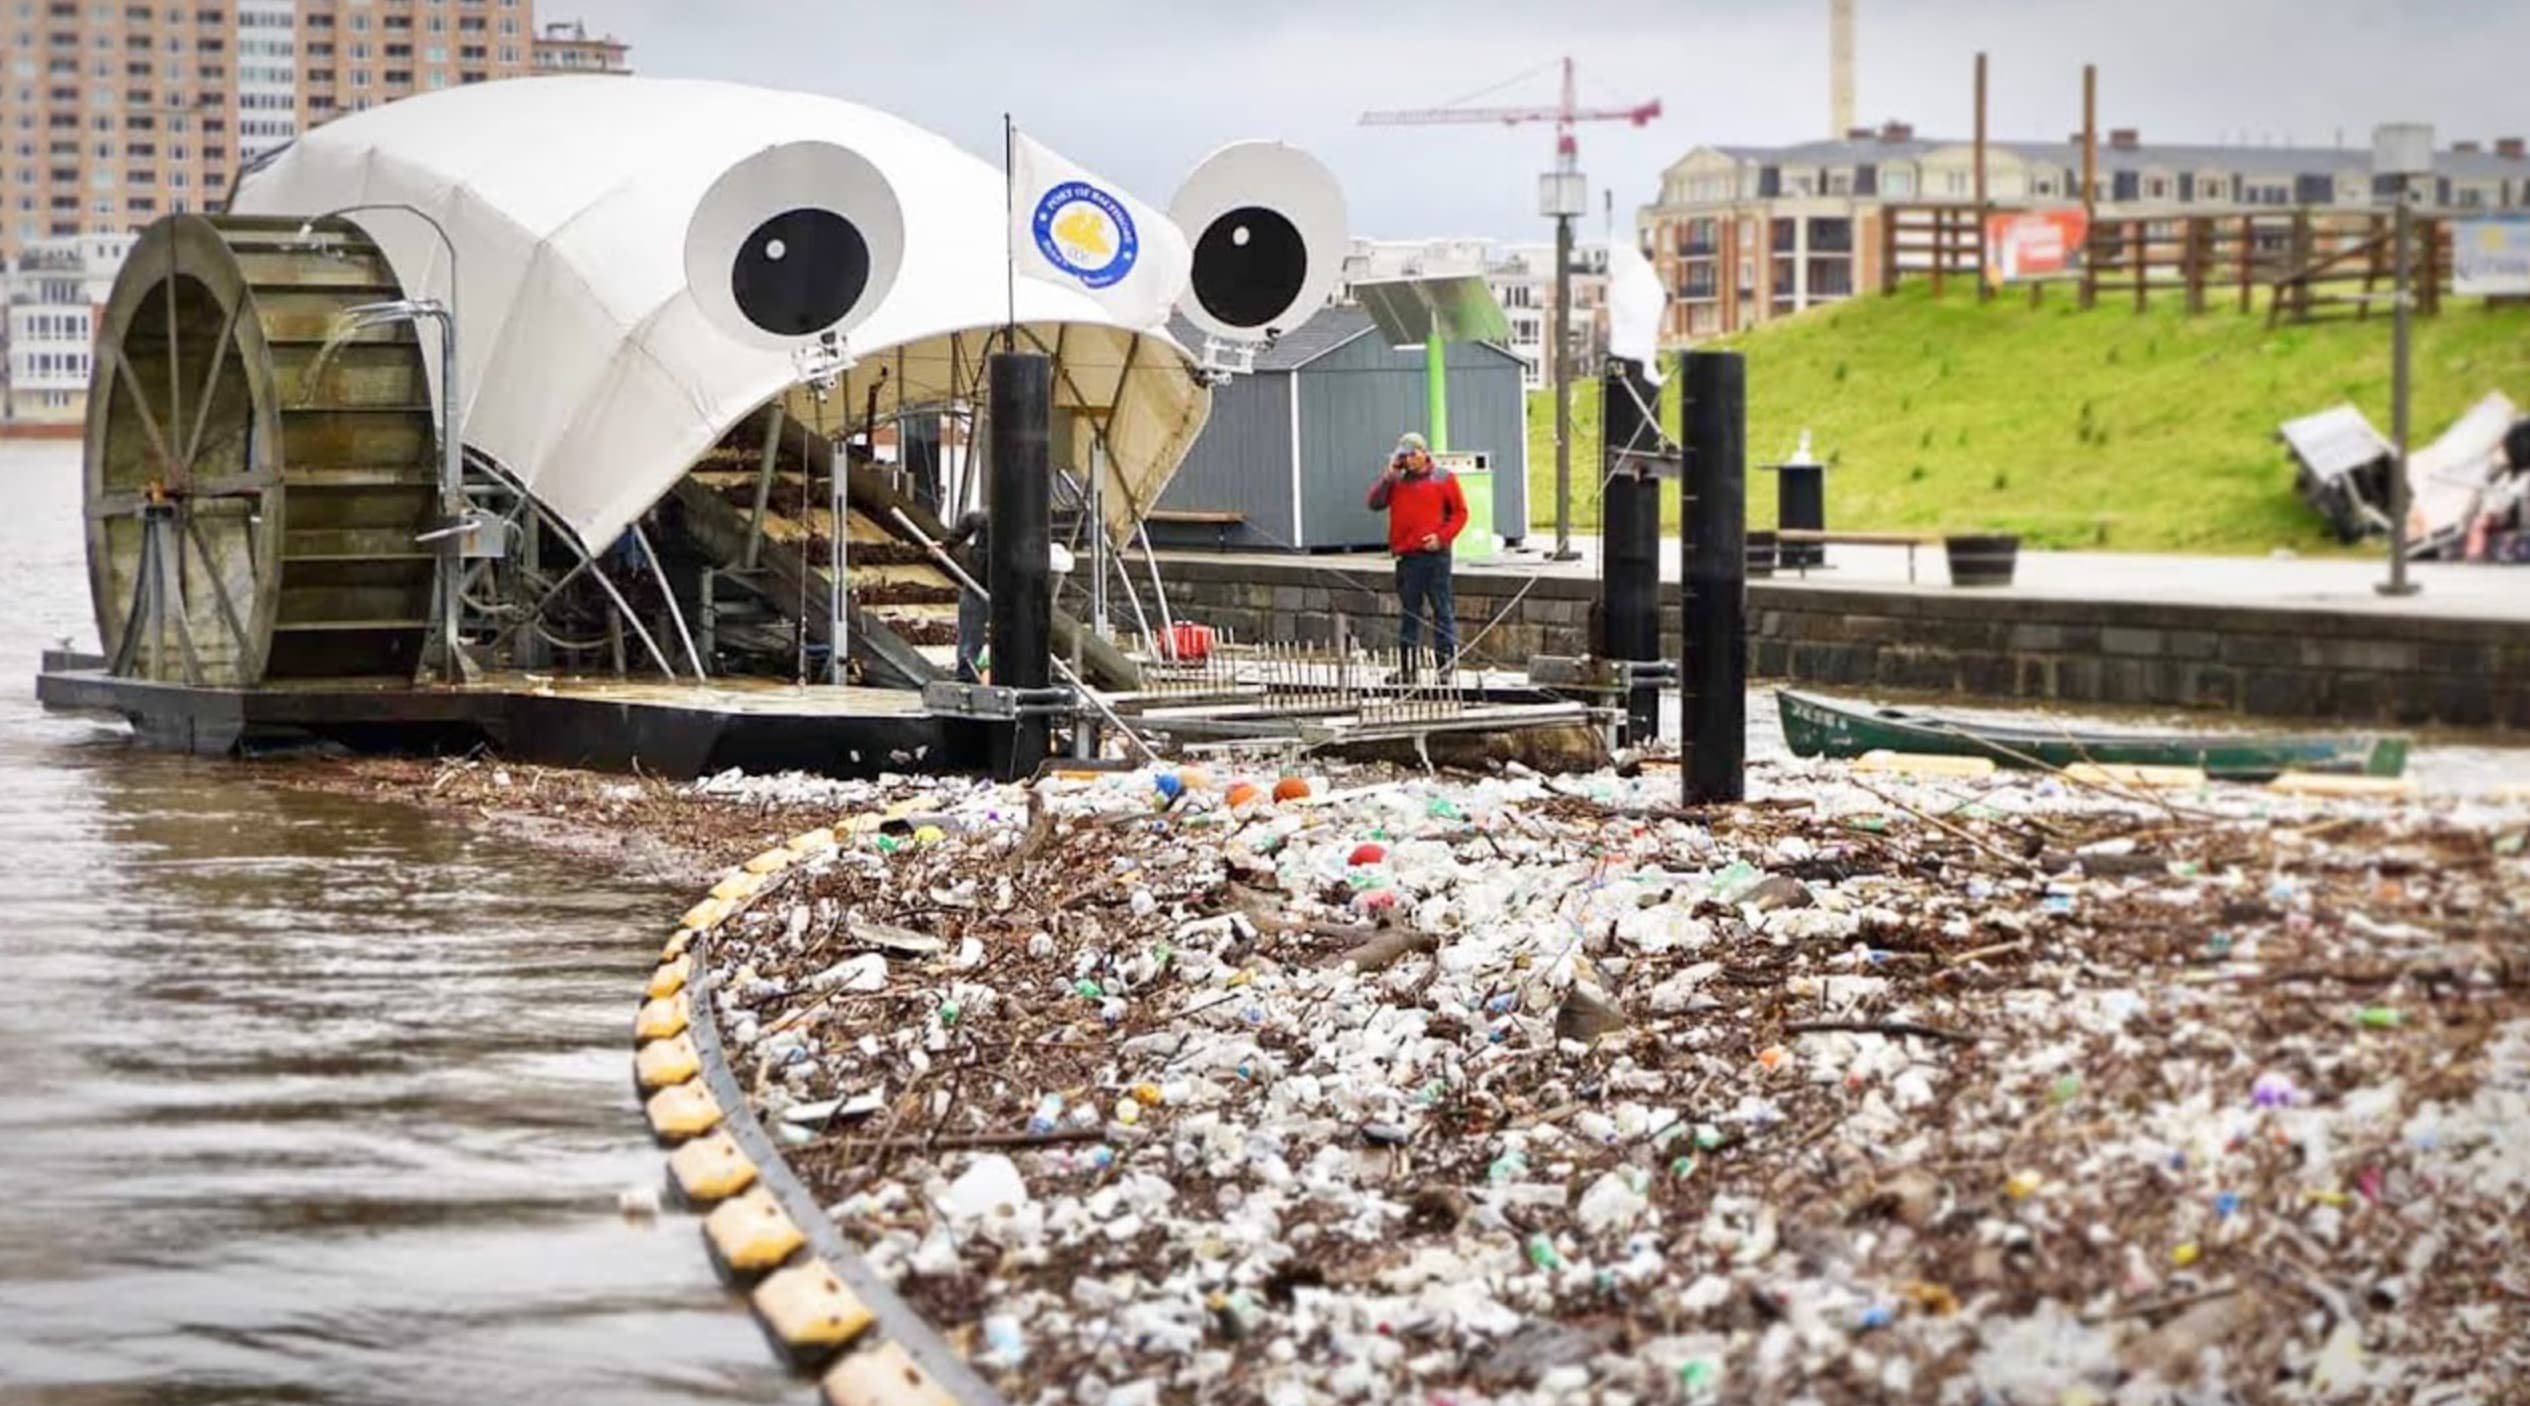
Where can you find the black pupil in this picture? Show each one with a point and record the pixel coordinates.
(800, 272)
(1249, 281)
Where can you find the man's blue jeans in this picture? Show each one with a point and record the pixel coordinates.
(1423, 582)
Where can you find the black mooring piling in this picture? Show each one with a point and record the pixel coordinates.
(1019, 503)
(1629, 527)
(1713, 543)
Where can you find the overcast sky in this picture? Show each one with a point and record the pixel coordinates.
(1140, 91)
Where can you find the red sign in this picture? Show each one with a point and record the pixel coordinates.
(2033, 243)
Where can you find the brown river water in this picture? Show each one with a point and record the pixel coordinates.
(310, 1099)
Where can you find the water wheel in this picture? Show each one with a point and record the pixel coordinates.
(256, 472)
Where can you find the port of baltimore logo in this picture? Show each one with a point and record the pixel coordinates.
(1086, 233)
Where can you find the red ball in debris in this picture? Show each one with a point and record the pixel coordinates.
(1376, 900)
(1368, 853)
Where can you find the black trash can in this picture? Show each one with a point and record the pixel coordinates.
(1801, 506)
(1982, 559)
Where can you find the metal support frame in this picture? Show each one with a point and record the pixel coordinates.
(765, 462)
(659, 572)
(950, 565)
(588, 563)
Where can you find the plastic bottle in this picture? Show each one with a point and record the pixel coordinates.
(1048, 1117)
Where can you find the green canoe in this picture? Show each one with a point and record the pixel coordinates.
(1820, 727)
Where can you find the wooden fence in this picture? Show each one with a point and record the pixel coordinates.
(2313, 262)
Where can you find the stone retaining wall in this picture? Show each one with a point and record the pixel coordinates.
(2271, 662)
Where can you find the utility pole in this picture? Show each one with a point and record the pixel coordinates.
(2402, 151)
(1985, 290)
(2091, 175)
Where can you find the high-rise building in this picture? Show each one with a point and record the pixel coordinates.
(115, 112)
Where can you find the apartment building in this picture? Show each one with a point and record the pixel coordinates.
(49, 296)
(1741, 235)
(1522, 277)
(565, 46)
(116, 112)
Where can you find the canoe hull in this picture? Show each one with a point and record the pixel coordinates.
(1819, 727)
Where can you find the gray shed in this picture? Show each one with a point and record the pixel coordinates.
(1292, 446)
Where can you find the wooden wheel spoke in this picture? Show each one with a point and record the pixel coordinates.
(210, 387)
(219, 586)
(131, 380)
(175, 366)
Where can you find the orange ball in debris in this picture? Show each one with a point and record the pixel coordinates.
(1291, 788)
(1241, 794)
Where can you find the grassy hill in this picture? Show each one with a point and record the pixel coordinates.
(2140, 432)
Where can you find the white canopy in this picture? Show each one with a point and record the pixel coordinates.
(585, 366)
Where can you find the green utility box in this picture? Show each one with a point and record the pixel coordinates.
(1475, 484)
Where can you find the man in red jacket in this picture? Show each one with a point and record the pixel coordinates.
(1426, 512)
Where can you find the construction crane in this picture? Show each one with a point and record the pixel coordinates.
(1562, 195)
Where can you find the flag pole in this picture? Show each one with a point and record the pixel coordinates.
(1009, 233)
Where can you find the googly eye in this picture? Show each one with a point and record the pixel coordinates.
(1267, 225)
(794, 242)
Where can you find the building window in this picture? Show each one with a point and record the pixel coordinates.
(1781, 235)
(1954, 183)
(1831, 236)
(1831, 278)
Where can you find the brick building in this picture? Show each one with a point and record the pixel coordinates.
(1744, 234)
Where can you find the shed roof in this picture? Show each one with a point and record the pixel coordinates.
(1329, 330)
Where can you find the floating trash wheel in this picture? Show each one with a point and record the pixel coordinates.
(257, 472)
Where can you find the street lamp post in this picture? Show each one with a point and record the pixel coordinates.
(1563, 195)
(2401, 151)
(452, 465)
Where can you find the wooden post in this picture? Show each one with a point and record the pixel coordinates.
(2090, 177)
(2192, 261)
(1888, 249)
(1985, 289)
(2429, 289)
(2248, 260)
(2143, 261)
(1941, 246)
(2300, 260)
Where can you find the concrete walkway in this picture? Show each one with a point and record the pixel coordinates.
(2451, 590)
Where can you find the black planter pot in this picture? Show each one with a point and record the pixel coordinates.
(1982, 560)
(1762, 547)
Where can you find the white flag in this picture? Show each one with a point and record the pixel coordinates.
(1635, 303)
(1071, 228)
